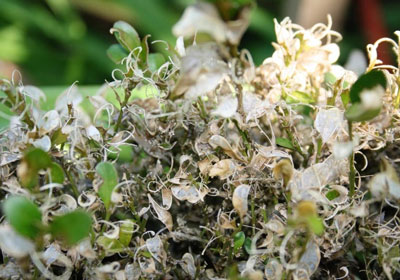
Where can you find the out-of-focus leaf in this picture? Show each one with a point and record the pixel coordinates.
(299, 97)
(358, 113)
(329, 78)
(116, 53)
(72, 227)
(23, 215)
(331, 195)
(315, 224)
(33, 161)
(5, 115)
(238, 241)
(155, 60)
(367, 81)
(58, 137)
(111, 246)
(109, 175)
(126, 35)
(247, 245)
(125, 232)
(284, 142)
(56, 173)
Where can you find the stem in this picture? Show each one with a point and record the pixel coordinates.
(72, 182)
(123, 104)
(203, 112)
(352, 174)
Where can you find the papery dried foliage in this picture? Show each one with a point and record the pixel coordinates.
(216, 149)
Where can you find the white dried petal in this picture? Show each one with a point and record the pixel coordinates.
(227, 107)
(147, 265)
(239, 199)
(273, 270)
(187, 264)
(310, 258)
(342, 150)
(328, 122)
(166, 198)
(35, 93)
(163, 215)
(49, 122)
(189, 193)
(43, 143)
(223, 169)
(14, 244)
(109, 268)
(201, 17)
(93, 133)
(155, 247)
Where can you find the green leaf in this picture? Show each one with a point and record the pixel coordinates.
(366, 81)
(238, 241)
(72, 227)
(37, 158)
(110, 179)
(331, 195)
(56, 173)
(125, 153)
(358, 113)
(345, 96)
(247, 245)
(5, 115)
(125, 232)
(116, 53)
(283, 142)
(58, 137)
(23, 215)
(299, 97)
(315, 224)
(33, 161)
(126, 35)
(329, 78)
(111, 246)
(154, 61)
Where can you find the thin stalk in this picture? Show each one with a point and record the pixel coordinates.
(352, 174)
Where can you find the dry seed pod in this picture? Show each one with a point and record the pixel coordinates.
(239, 199)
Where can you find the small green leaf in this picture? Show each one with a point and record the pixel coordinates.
(125, 232)
(72, 227)
(358, 113)
(23, 215)
(247, 245)
(315, 224)
(345, 96)
(33, 161)
(154, 61)
(110, 179)
(38, 159)
(366, 81)
(238, 241)
(126, 35)
(56, 173)
(5, 115)
(111, 246)
(332, 194)
(116, 53)
(58, 137)
(125, 153)
(299, 97)
(329, 78)
(283, 142)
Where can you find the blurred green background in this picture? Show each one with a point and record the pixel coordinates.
(58, 42)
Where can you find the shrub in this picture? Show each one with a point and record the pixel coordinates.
(195, 163)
